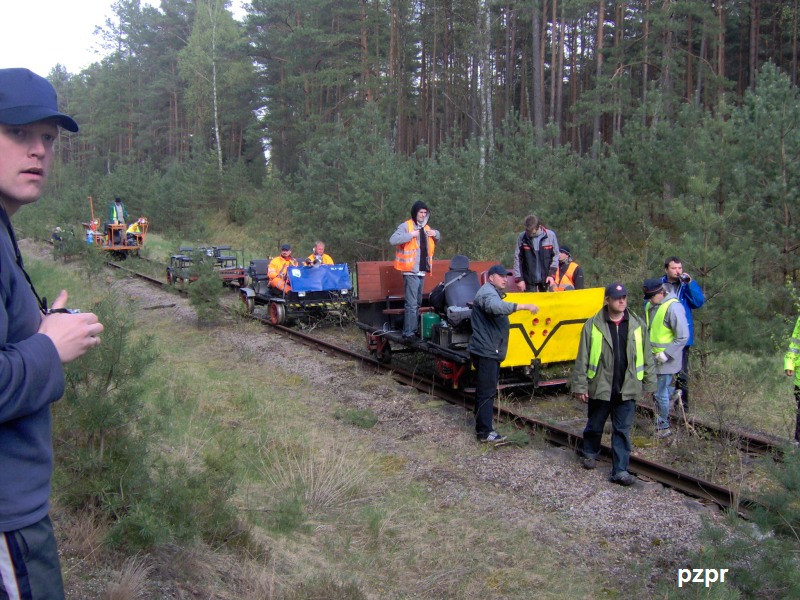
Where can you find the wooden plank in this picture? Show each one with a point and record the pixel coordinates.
(379, 280)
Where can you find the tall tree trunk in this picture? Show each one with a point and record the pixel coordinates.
(794, 43)
(698, 94)
(645, 58)
(553, 59)
(485, 84)
(754, 18)
(721, 23)
(537, 96)
(562, 26)
(601, 18)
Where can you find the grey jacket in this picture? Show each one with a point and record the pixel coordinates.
(599, 387)
(490, 323)
(675, 320)
(401, 235)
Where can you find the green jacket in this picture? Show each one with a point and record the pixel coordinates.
(599, 387)
(792, 359)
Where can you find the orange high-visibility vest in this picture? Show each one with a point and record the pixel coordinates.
(566, 279)
(405, 254)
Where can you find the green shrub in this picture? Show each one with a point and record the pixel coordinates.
(763, 554)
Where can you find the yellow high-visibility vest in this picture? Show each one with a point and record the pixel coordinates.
(597, 347)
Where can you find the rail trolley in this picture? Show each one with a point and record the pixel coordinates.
(541, 349)
(316, 292)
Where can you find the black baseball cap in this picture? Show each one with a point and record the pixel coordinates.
(26, 97)
(497, 270)
(285, 247)
(616, 291)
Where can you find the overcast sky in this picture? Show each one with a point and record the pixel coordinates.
(37, 34)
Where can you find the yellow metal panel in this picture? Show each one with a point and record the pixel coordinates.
(552, 335)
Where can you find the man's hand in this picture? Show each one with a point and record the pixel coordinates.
(72, 334)
(582, 397)
(531, 307)
(789, 372)
(521, 285)
(661, 357)
(550, 280)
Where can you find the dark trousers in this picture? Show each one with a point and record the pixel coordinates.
(622, 413)
(30, 560)
(488, 374)
(797, 417)
(682, 379)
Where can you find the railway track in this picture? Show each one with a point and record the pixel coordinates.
(686, 483)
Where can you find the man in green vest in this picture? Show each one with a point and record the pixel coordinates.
(613, 370)
(790, 364)
(669, 332)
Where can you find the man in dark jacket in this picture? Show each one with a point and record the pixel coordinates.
(33, 346)
(613, 370)
(535, 257)
(488, 346)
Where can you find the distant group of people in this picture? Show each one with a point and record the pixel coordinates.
(620, 358)
(278, 269)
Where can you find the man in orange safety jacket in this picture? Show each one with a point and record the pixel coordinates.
(415, 242)
(569, 275)
(278, 270)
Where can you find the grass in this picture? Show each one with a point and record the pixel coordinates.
(330, 516)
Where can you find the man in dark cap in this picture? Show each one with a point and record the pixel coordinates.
(668, 333)
(278, 270)
(34, 343)
(488, 346)
(613, 370)
(415, 242)
(570, 274)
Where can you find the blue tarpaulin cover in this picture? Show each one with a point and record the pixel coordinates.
(322, 278)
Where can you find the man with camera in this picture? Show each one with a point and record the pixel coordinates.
(691, 297)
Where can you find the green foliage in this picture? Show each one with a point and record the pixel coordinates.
(763, 555)
(206, 287)
(100, 436)
(105, 443)
(365, 419)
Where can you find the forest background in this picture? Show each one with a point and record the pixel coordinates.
(636, 130)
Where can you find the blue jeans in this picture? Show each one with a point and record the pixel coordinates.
(622, 413)
(663, 393)
(413, 286)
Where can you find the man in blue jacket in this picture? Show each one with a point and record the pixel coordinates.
(33, 346)
(488, 346)
(691, 297)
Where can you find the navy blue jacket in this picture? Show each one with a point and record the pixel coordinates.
(31, 378)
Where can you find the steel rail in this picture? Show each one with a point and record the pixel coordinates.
(678, 480)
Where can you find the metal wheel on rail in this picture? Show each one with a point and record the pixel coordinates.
(249, 303)
(277, 313)
(384, 354)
